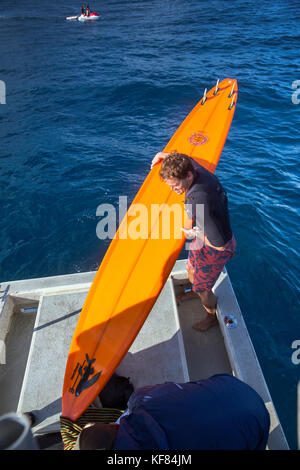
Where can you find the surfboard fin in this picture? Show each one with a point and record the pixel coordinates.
(232, 103)
(232, 91)
(217, 87)
(204, 96)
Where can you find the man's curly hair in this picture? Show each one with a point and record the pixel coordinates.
(176, 165)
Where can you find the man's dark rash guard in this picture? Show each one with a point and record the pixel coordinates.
(206, 189)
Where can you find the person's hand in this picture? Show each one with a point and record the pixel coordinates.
(191, 233)
(158, 158)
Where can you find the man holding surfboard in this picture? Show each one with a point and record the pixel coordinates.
(213, 241)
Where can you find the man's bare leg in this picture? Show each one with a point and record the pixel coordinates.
(191, 294)
(209, 302)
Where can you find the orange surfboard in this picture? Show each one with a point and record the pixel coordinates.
(140, 257)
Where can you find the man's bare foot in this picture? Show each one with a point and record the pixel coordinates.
(186, 295)
(206, 323)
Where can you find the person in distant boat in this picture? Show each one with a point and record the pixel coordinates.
(213, 241)
(218, 413)
(87, 11)
(82, 10)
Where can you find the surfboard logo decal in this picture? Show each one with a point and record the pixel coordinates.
(198, 138)
(83, 372)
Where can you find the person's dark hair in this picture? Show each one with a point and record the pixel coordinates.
(98, 436)
(176, 165)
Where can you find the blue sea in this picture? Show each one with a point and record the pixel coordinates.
(89, 105)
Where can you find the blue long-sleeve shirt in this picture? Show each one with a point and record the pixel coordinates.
(217, 413)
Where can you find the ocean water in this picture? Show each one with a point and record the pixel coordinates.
(88, 106)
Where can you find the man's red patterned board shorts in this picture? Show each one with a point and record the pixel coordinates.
(208, 263)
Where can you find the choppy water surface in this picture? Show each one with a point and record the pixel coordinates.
(88, 105)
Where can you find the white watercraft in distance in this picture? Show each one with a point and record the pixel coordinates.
(91, 17)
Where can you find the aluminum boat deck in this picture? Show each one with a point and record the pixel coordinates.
(38, 318)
